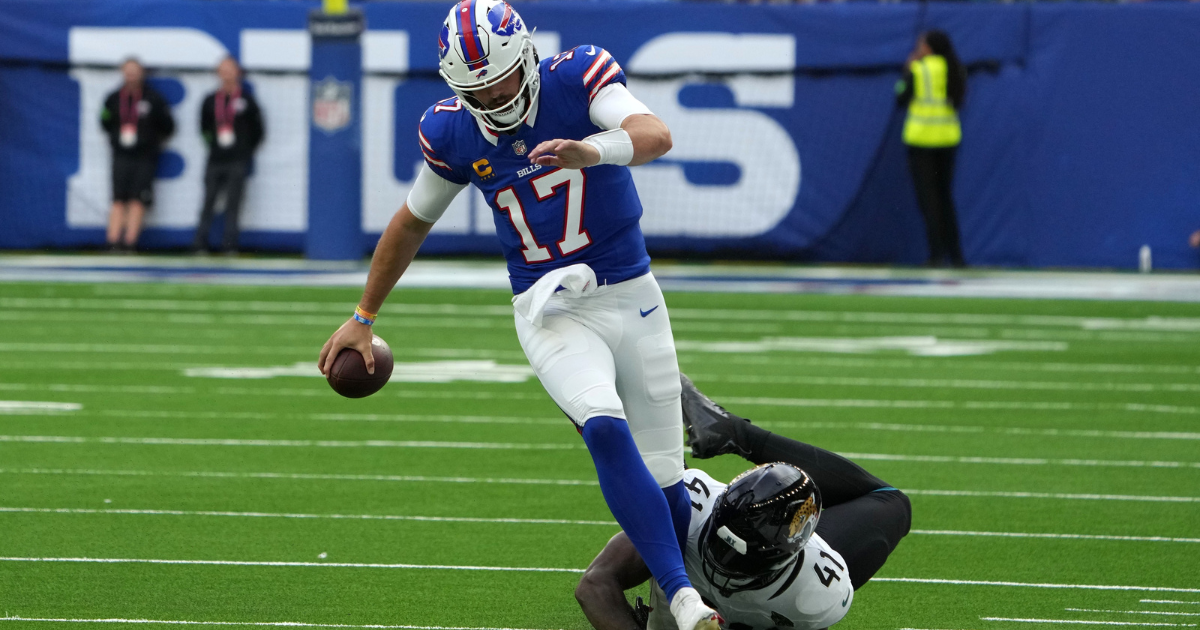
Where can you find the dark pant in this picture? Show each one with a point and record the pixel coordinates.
(933, 173)
(133, 177)
(229, 177)
(864, 517)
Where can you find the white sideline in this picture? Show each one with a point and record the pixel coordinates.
(286, 624)
(934, 459)
(553, 482)
(537, 521)
(349, 517)
(1090, 622)
(1165, 601)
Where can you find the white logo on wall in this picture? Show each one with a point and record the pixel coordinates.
(332, 104)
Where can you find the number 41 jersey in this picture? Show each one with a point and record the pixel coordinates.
(814, 593)
(546, 217)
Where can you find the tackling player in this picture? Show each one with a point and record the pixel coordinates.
(760, 550)
(548, 143)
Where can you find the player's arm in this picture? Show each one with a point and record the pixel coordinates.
(430, 196)
(645, 135)
(601, 590)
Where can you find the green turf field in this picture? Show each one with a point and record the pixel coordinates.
(1076, 432)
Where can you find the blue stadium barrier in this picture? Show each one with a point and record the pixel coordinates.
(1081, 138)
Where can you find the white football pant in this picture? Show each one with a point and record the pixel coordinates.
(611, 353)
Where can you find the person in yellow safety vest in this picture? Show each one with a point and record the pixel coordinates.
(933, 88)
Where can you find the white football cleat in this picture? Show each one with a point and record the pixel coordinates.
(691, 613)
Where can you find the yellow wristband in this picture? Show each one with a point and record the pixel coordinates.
(364, 317)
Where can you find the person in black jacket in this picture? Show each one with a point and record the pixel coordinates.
(138, 122)
(232, 126)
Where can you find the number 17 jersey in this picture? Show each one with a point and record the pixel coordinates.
(546, 217)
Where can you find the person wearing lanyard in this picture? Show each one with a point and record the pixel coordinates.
(138, 122)
(231, 124)
(933, 88)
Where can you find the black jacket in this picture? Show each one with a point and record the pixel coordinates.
(247, 128)
(154, 126)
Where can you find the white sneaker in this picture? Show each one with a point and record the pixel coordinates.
(691, 613)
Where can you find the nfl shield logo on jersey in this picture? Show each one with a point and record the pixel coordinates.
(519, 147)
(331, 104)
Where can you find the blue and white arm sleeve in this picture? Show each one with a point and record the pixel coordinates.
(431, 194)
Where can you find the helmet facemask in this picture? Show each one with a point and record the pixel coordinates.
(759, 527)
(510, 115)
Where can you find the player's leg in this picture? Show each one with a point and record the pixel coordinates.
(864, 517)
(648, 383)
(715, 431)
(866, 530)
(576, 367)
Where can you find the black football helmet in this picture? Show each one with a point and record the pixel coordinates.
(758, 527)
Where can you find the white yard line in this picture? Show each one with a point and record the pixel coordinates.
(944, 383)
(287, 515)
(924, 459)
(1153, 323)
(285, 624)
(974, 405)
(1021, 431)
(1135, 612)
(268, 563)
(533, 521)
(955, 364)
(943, 532)
(159, 441)
(1052, 495)
(301, 476)
(448, 567)
(1086, 587)
(1089, 622)
(551, 482)
(1166, 601)
(36, 407)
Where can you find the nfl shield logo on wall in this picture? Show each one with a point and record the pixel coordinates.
(519, 147)
(331, 104)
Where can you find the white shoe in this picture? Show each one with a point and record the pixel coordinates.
(690, 612)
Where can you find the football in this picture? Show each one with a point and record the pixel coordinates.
(349, 376)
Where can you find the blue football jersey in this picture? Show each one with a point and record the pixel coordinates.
(546, 217)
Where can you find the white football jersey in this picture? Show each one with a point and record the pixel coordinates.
(814, 594)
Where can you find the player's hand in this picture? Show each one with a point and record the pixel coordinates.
(565, 154)
(351, 335)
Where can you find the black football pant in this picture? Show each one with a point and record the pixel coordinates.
(933, 172)
(864, 517)
(230, 178)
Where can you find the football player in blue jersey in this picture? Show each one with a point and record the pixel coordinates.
(548, 143)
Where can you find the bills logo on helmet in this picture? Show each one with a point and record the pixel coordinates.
(444, 41)
(504, 20)
(471, 42)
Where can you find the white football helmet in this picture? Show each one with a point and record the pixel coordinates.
(482, 43)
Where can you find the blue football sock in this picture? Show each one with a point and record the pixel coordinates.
(681, 511)
(636, 501)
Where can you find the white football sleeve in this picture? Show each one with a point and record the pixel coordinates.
(431, 194)
(613, 104)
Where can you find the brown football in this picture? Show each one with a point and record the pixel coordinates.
(349, 377)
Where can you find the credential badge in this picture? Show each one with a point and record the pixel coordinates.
(519, 147)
